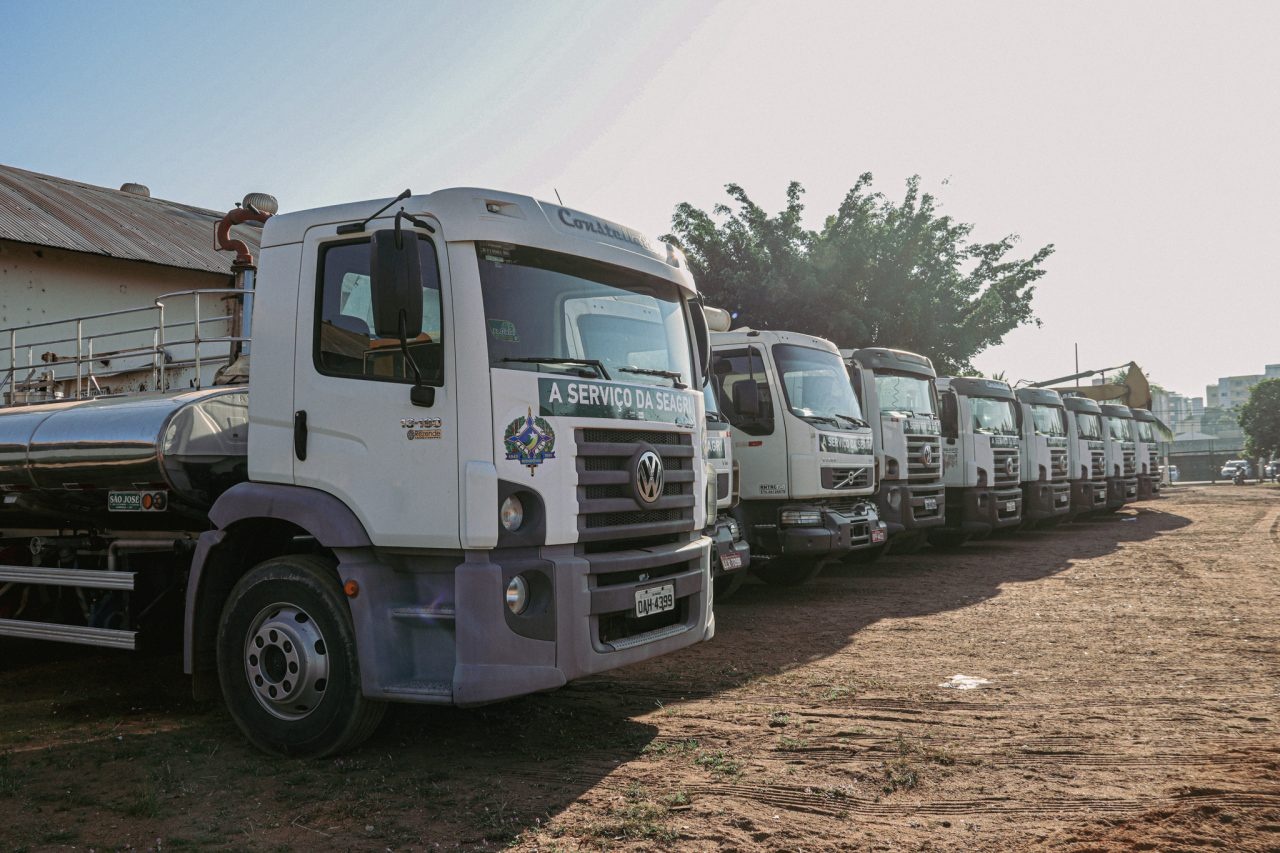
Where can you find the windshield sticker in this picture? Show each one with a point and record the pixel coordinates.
(504, 330)
(569, 398)
(422, 428)
(530, 441)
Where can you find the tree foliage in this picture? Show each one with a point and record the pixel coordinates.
(1260, 419)
(878, 273)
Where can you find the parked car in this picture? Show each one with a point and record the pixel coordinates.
(1228, 471)
(1173, 473)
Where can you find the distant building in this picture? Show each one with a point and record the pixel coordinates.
(73, 249)
(1231, 392)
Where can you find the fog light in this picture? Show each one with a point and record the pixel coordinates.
(512, 513)
(517, 594)
(801, 517)
(895, 498)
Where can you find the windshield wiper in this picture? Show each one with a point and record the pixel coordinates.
(826, 419)
(555, 359)
(673, 375)
(858, 422)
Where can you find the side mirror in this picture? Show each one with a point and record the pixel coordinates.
(395, 286)
(702, 336)
(746, 398)
(950, 416)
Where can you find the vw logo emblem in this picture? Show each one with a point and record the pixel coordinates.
(648, 476)
(1011, 466)
(926, 455)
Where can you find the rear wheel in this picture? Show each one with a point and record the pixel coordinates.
(789, 571)
(287, 661)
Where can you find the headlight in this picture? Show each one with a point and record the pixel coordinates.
(511, 513)
(801, 517)
(517, 594)
(711, 496)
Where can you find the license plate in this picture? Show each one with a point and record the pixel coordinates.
(730, 560)
(879, 534)
(1062, 498)
(931, 503)
(655, 599)
(1010, 506)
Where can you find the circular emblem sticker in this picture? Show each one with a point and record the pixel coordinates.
(530, 441)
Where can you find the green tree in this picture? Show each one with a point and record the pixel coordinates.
(1260, 420)
(1216, 420)
(879, 272)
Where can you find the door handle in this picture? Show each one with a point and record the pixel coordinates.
(300, 434)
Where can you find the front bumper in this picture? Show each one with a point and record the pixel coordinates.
(435, 631)
(1043, 500)
(979, 510)
(906, 507)
(836, 535)
(1088, 495)
(1121, 491)
(729, 556)
(1148, 487)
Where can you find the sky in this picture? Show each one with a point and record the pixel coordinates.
(1142, 139)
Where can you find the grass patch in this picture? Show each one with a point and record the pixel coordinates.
(719, 762)
(671, 747)
(637, 819)
(787, 742)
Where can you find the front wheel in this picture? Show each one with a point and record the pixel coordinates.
(788, 571)
(287, 661)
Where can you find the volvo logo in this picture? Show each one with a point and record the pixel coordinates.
(926, 455)
(647, 476)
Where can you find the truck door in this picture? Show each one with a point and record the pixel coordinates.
(759, 438)
(357, 435)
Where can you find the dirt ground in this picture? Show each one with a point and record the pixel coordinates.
(1132, 702)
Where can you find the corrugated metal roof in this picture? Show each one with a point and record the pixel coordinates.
(48, 211)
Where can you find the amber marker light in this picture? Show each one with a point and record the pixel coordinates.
(351, 588)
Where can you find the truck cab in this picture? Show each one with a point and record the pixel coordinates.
(1046, 491)
(1086, 454)
(898, 397)
(1122, 455)
(1147, 453)
(981, 459)
(468, 464)
(803, 450)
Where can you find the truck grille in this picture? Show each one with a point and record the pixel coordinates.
(918, 497)
(1058, 469)
(615, 579)
(917, 469)
(1001, 475)
(846, 478)
(1130, 460)
(1098, 465)
(607, 509)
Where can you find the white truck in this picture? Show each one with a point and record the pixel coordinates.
(1046, 490)
(1147, 453)
(469, 466)
(731, 555)
(980, 459)
(1122, 455)
(1086, 455)
(897, 393)
(803, 450)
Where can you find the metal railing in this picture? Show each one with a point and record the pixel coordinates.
(50, 375)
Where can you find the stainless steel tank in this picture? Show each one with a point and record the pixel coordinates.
(93, 463)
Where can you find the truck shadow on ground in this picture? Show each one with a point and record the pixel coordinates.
(86, 734)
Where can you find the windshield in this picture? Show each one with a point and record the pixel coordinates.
(905, 394)
(816, 384)
(1118, 428)
(1145, 432)
(550, 313)
(1088, 425)
(1049, 420)
(993, 417)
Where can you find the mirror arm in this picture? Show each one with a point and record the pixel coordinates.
(400, 214)
(419, 394)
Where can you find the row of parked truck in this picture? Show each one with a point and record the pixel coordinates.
(834, 465)
(490, 444)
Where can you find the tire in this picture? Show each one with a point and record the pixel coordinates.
(727, 585)
(789, 571)
(947, 539)
(287, 617)
(865, 556)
